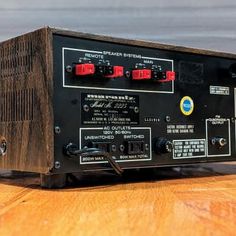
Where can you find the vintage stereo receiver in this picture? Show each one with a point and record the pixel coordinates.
(73, 102)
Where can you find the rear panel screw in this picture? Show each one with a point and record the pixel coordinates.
(86, 108)
(167, 118)
(57, 130)
(113, 148)
(122, 147)
(69, 69)
(127, 74)
(136, 110)
(3, 147)
(57, 165)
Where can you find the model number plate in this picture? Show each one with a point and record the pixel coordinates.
(109, 109)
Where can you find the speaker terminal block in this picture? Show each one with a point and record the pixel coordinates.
(91, 70)
(153, 75)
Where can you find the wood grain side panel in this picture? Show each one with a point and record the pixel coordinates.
(26, 102)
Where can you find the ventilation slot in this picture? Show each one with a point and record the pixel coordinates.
(191, 72)
(17, 105)
(16, 59)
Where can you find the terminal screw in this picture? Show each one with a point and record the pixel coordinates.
(127, 74)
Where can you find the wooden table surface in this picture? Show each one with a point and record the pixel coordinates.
(194, 200)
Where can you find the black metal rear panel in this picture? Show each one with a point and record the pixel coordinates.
(118, 111)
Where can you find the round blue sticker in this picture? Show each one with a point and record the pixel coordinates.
(186, 105)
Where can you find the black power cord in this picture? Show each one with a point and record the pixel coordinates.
(72, 150)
